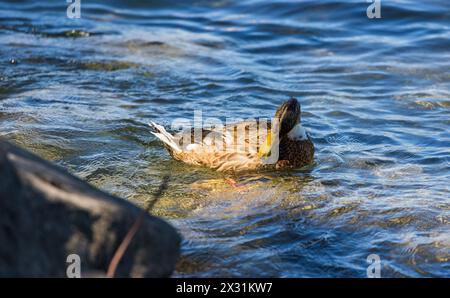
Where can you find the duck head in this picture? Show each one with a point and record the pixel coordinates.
(286, 118)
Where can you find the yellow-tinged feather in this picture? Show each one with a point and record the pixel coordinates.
(266, 147)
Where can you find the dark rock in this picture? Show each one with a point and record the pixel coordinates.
(47, 214)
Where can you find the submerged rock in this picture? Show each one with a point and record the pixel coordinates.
(47, 214)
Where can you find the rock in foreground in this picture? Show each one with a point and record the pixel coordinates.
(47, 214)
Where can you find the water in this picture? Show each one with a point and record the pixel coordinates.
(375, 96)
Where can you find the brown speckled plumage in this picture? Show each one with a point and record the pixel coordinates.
(295, 154)
(238, 147)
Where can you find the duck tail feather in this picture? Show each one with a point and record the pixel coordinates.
(164, 136)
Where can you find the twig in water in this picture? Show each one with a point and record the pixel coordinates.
(132, 231)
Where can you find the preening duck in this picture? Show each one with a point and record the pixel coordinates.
(248, 145)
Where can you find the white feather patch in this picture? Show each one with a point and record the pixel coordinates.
(298, 133)
(164, 136)
(192, 147)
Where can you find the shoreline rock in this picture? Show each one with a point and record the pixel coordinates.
(48, 214)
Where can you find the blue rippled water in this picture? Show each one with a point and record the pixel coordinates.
(375, 96)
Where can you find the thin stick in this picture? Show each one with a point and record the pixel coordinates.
(133, 230)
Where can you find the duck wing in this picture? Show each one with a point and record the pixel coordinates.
(238, 137)
(233, 147)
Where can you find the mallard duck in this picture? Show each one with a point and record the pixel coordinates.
(249, 145)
